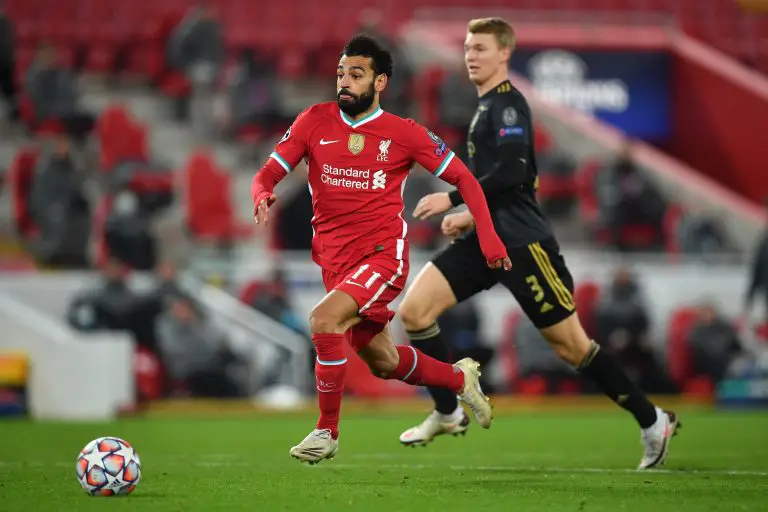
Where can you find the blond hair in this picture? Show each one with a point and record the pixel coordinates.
(501, 30)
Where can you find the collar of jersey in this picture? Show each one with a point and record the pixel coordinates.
(354, 124)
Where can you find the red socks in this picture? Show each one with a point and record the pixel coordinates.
(418, 369)
(330, 368)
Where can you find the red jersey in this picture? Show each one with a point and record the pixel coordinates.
(357, 173)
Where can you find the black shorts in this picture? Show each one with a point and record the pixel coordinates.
(539, 279)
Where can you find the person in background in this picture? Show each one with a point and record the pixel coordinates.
(252, 94)
(197, 48)
(54, 94)
(8, 64)
(628, 198)
(194, 351)
(622, 329)
(714, 343)
(758, 280)
(60, 209)
(109, 305)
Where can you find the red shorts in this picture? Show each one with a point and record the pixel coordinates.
(373, 283)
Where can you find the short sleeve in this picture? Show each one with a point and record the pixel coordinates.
(293, 147)
(511, 122)
(427, 149)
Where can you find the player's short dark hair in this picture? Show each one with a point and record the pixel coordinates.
(363, 45)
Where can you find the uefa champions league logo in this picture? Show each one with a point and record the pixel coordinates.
(561, 77)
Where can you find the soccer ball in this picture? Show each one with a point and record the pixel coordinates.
(108, 466)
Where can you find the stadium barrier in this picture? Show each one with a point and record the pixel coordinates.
(73, 375)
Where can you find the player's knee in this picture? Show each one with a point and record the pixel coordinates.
(383, 367)
(415, 316)
(323, 321)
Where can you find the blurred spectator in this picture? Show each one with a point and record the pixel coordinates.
(128, 232)
(458, 99)
(60, 209)
(54, 95)
(701, 235)
(108, 306)
(291, 228)
(273, 300)
(397, 98)
(622, 329)
(629, 200)
(460, 326)
(195, 352)
(197, 49)
(536, 358)
(713, 343)
(8, 63)
(253, 95)
(758, 281)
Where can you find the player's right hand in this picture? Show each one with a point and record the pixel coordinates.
(504, 263)
(455, 224)
(262, 210)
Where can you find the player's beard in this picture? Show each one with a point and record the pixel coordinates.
(358, 104)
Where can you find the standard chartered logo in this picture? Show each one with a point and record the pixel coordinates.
(358, 179)
(561, 77)
(379, 180)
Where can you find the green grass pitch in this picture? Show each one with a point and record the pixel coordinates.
(554, 461)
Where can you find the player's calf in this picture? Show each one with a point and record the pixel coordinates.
(572, 344)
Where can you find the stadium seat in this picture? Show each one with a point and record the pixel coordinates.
(587, 296)
(507, 354)
(208, 206)
(673, 216)
(149, 373)
(99, 231)
(19, 182)
(586, 176)
(678, 352)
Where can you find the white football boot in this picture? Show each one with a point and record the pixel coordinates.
(434, 425)
(318, 445)
(472, 394)
(656, 439)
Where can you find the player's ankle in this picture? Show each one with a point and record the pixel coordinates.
(452, 417)
(333, 429)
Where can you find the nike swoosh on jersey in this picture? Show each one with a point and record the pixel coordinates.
(323, 142)
(354, 283)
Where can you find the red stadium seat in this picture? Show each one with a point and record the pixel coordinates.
(678, 352)
(208, 205)
(507, 353)
(19, 177)
(585, 188)
(149, 373)
(672, 219)
(587, 296)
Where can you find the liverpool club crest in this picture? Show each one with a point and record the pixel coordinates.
(356, 143)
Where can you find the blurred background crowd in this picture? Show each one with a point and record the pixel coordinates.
(131, 131)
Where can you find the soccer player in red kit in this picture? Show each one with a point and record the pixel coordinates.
(359, 157)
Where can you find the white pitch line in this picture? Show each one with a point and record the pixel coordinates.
(535, 469)
(453, 467)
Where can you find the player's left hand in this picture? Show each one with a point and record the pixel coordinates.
(432, 204)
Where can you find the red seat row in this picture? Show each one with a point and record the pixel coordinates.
(108, 31)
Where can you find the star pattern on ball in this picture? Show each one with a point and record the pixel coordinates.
(95, 457)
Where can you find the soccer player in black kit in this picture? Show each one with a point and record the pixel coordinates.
(501, 154)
